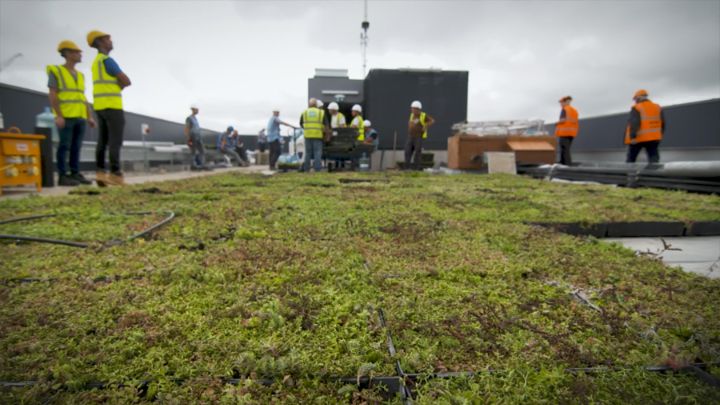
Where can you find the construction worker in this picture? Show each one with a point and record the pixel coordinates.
(108, 82)
(566, 129)
(417, 131)
(226, 143)
(193, 135)
(337, 119)
(72, 112)
(314, 124)
(273, 136)
(645, 128)
(358, 121)
(371, 135)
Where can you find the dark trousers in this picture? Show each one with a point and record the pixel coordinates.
(197, 150)
(274, 147)
(651, 148)
(111, 124)
(413, 149)
(240, 150)
(71, 138)
(564, 142)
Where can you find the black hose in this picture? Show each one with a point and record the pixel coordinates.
(170, 215)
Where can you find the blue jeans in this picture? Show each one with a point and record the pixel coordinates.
(313, 151)
(71, 138)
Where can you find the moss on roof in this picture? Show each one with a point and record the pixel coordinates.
(281, 278)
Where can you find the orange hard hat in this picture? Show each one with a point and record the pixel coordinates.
(640, 93)
(67, 44)
(93, 35)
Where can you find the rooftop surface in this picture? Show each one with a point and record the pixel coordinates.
(278, 282)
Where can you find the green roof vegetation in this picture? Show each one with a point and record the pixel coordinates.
(281, 278)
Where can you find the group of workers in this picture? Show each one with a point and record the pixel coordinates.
(644, 129)
(318, 129)
(73, 113)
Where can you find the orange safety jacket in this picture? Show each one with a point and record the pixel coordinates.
(567, 127)
(650, 123)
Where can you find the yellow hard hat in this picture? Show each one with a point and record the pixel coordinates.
(67, 44)
(93, 35)
(640, 93)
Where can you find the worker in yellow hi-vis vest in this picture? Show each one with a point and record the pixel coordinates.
(72, 112)
(417, 132)
(314, 125)
(108, 82)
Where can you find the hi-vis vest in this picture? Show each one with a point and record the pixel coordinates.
(71, 93)
(422, 122)
(360, 127)
(567, 127)
(650, 123)
(338, 121)
(313, 123)
(106, 90)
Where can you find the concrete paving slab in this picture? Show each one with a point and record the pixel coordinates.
(699, 255)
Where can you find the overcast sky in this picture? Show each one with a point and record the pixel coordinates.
(240, 59)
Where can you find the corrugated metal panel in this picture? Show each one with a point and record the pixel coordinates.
(691, 125)
(388, 94)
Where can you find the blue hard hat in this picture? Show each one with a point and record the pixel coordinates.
(230, 129)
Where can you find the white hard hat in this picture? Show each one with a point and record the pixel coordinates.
(319, 104)
(193, 106)
(276, 109)
(416, 104)
(357, 108)
(367, 123)
(333, 106)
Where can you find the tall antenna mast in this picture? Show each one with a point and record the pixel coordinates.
(364, 40)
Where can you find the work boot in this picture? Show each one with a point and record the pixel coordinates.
(115, 179)
(67, 181)
(101, 179)
(80, 178)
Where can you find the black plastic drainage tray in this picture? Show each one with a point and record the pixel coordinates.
(635, 228)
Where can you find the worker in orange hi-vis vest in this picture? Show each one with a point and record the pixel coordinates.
(566, 129)
(645, 128)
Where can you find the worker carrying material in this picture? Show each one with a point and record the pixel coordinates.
(337, 119)
(108, 82)
(645, 128)
(566, 129)
(358, 121)
(72, 112)
(314, 124)
(417, 131)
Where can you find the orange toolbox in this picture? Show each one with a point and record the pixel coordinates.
(20, 160)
